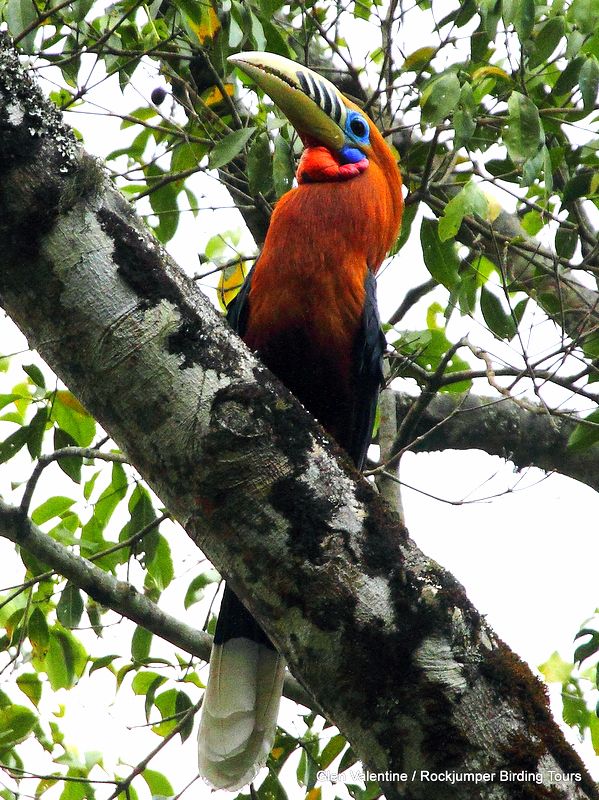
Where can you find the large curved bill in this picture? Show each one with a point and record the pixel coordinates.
(312, 104)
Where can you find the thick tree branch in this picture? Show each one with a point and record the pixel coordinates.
(322, 563)
(528, 436)
(118, 595)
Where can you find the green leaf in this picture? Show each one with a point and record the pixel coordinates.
(523, 135)
(522, 16)
(50, 508)
(566, 240)
(158, 784)
(588, 80)
(66, 659)
(164, 202)
(16, 723)
(38, 633)
(166, 704)
(464, 122)
(307, 770)
(70, 606)
(429, 347)
(187, 156)
(283, 167)
(142, 114)
(111, 496)
(406, 228)
(13, 443)
(195, 590)
(584, 14)
(141, 643)
(20, 14)
(31, 686)
(71, 465)
(546, 39)
(102, 662)
(160, 566)
(594, 730)
(440, 98)
(555, 669)
(418, 59)
(284, 746)
(440, 257)
(145, 680)
(589, 648)
(88, 487)
(228, 147)
(37, 429)
(70, 415)
(259, 166)
(275, 42)
(533, 222)
(182, 706)
(142, 514)
(331, 750)
(582, 184)
(569, 77)
(486, 31)
(80, 9)
(147, 684)
(35, 374)
(257, 32)
(547, 171)
(500, 322)
(348, 760)
(584, 436)
(235, 33)
(468, 202)
(271, 788)
(362, 9)
(7, 399)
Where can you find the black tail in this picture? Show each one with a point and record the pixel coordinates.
(241, 702)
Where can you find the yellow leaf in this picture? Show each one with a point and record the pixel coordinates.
(490, 72)
(434, 310)
(208, 26)
(69, 400)
(213, 96)
(314, 794)
(419, 58)
(230, 282)
(494, 207)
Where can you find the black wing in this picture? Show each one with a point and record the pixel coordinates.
(238, 308)
(369, 350)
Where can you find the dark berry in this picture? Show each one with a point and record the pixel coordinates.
(158, 95)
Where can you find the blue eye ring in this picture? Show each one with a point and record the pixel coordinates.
(356, 127)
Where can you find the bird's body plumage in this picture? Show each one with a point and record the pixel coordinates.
(308, 308)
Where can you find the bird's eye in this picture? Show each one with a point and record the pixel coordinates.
(358, 127)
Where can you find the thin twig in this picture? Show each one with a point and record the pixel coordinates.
(64, 452)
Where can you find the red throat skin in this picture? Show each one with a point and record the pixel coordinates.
(318, 164)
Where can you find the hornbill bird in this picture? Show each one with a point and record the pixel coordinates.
(308, 308)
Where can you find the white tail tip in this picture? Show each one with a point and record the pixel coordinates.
(239, 712)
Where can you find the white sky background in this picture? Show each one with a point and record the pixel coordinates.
(528, 557)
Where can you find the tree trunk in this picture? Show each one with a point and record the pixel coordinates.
(382, 637)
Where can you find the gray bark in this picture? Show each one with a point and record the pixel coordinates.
(527, 436)
(381, 636)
